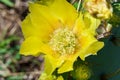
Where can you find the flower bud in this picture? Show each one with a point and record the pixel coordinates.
(82, 72)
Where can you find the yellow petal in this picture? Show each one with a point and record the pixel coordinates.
(86, 24)
(51, 63)
(95, 47)
(79, 25)
(65, 12)
(60, 78)
(34, 46)
(42, 29)
(92, 49)
(69, 61)
(27, 27)
(44, 2)
(67, 66)
(91, 23)
(41, 13)
(85, 29)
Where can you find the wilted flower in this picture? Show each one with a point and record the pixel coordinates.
(57, 31)
(99, 8)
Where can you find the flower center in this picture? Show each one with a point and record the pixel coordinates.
(63, 41)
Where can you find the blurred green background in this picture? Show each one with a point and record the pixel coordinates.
(14, 66)
(106, 65)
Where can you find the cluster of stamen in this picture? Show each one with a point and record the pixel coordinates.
(63, 41)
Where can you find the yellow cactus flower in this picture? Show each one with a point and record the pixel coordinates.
(99, 8)
(57, 31)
